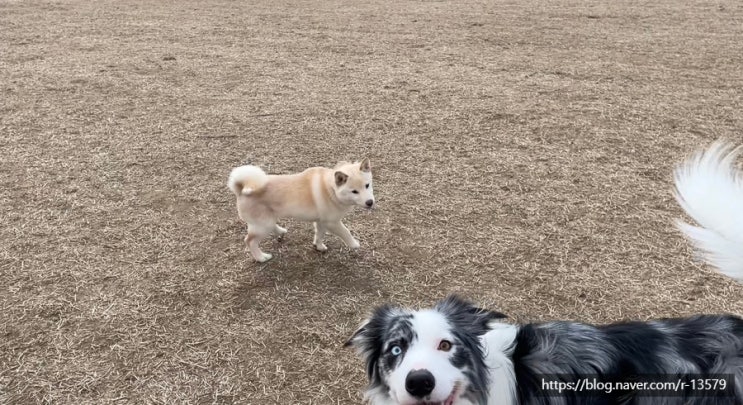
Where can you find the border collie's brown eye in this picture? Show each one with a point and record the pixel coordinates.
(355, 191)
(445, 345)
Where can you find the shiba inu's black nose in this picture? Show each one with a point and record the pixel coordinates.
(369, 203)
(419, 383)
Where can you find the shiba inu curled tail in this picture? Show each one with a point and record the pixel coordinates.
(246, 179)
(709, 187)
(320, 195)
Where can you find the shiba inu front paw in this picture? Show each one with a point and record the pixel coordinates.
(264, 257)
(354, 244)
(321, 247)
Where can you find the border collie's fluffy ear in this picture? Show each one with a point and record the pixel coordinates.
(467, 316)
(369, 337)
(371, 330)
(358, 336)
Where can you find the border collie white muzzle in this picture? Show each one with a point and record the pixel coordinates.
(459, 354)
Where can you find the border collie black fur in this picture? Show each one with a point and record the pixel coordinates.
(459, 354)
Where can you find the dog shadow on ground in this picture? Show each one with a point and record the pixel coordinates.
(297, 269)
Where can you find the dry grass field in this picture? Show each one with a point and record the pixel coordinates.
(523, 153)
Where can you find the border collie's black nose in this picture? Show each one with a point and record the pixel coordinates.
(369, 203)
(419, 383)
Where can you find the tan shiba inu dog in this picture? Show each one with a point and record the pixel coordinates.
(318, 194)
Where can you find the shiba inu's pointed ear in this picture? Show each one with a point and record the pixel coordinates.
(340, 178)
(365, 165)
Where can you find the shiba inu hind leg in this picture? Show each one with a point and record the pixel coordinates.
(320, 230)
(342, 232)
(279, 231)
(255, 235)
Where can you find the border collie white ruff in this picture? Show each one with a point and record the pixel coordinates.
(458, 354)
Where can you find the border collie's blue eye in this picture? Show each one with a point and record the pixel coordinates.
(355, 191)
(396, 350)
(367, 185)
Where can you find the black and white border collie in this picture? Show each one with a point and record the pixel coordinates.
(458, 354)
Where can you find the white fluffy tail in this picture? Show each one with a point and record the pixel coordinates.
(248, 179)
(709, 188)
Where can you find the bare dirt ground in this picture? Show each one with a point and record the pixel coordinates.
(523, 154)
